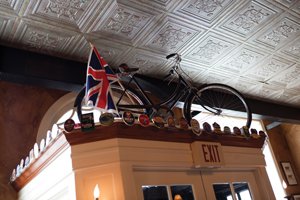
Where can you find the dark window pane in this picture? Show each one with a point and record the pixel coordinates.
(155, 193)
(242, 191)
(222, 191)
(182, 192)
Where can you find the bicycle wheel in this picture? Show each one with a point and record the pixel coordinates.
(217, 100)
(130, 97)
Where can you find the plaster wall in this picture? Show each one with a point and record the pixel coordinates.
(21, 110)
(285, 140)
(292, 136)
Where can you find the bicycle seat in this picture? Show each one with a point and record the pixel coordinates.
(125, 69)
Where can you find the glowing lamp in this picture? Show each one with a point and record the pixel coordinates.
(96, 192)
(177, 197)
(284, 185)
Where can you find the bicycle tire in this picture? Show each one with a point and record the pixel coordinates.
(115, 90)
(227, 100)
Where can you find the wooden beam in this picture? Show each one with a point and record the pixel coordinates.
(273, 125)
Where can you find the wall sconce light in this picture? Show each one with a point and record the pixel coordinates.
(177, 197)
(96, 192)
(284, 185)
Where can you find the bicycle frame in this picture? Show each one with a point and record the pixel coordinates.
(138, 101)
(170, 102)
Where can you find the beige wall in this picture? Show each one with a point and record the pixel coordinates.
(292, 136)
(121, 166)
(285, 142)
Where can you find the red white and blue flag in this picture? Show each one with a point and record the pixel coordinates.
(98, 79)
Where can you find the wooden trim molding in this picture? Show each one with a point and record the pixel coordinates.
(120, 130)
(54, 149)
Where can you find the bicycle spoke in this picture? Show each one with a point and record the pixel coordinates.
(219, 100)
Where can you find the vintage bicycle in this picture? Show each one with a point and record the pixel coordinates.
(215, 99)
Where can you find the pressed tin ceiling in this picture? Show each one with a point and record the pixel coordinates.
(253, 46)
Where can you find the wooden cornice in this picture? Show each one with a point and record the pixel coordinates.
(52, 151)
(120, 130)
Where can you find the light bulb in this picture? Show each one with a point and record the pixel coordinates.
(177, 197)
(284, 184)
(96, 192)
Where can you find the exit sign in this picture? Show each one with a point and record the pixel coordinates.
(207, 154)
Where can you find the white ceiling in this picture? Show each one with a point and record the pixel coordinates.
(253, 46)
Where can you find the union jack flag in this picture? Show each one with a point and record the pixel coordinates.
(98, 79)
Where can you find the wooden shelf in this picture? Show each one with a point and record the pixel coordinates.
(120, 130)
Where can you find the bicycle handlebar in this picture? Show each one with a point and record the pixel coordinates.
(177, 59)
(171, 55)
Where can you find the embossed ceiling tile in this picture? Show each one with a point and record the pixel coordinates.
(253, 46)
(198, 81)
(58, 12)
(79, 49)
(292, 49)
(210, 49)
(93, 12)
(207, 11)
(170, 35)
(265, 91)
(296, 7)
(50, 40)
(102, 15)
(241, 60)
(243, 85)
(287, 3)
(288, 76)
(163, 5)
(213, 76)
(269, 67)
(249, 18)
(112, 52)
(192, 71)
(285, 95)
(6, 25)
(148, 63)
(277, 34)
(294, 87)
(11, 6)
(123, 23)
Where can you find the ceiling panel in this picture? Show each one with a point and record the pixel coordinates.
(253, 46)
